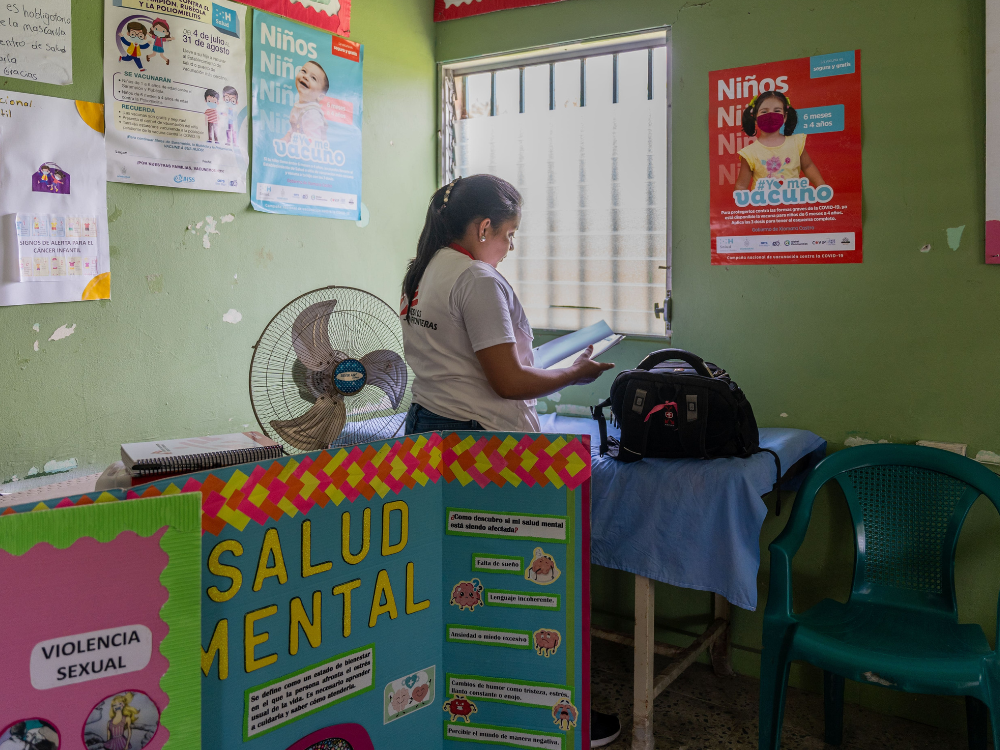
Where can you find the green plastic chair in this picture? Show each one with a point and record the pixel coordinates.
(899, 628)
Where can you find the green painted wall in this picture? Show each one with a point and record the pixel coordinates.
(157, 361)
(899, 348)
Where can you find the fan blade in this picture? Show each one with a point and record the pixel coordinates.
(311, 337)
(386, 370)
(315, 429)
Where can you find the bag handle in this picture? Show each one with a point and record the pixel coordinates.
(597, 412)
(663, 355)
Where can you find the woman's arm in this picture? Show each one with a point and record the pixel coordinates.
(513, 380)
(810, 170)
(745, 176)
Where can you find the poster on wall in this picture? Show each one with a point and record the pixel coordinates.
(785, 161)
(53, 208)
(448, 10)
(993, 131)
(330, 15)
(412, 593)
(175, 87)
(105, 658)
(37, 42)
(306, 121)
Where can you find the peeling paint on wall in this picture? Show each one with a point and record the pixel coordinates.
(955, 236)
(63, 332)
(988, 457)
(783, 414)
(556, 397)
(36, 346)
(851, 442)
(233, 316)
(154, 282)
(926, 248)
(54, 467)
(36, 328)
(572, 410)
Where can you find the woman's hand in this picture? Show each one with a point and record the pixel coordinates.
(509, 378)
(587, 369)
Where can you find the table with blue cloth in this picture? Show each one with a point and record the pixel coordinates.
(691, 523)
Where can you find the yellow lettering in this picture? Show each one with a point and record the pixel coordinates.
(313, 630)
(382, 588)
(271, 546)
(410, 606)
(308, 569)
(346, 589)
(345, 536)
(225, 571)
(251, 640)
(392, 549)
(219, 644)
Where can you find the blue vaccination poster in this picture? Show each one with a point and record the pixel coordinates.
(306, 121)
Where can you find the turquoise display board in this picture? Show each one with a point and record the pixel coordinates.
(414, 593)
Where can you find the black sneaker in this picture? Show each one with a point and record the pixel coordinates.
(604, 728)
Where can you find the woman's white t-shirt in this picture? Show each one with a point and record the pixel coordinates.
(463, 305)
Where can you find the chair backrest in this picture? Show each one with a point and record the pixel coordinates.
(908, 504)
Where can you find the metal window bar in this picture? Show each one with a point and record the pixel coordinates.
(614, 78)
(493, 94)
(649, 74)
(552, 86)
(520, 107)
(583, 81)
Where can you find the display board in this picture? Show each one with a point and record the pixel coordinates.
(419, 592)
(798, 198)
(100, 604)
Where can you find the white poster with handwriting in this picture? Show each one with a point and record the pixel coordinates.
(36, 41)
(176, 94)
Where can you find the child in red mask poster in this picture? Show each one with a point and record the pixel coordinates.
(785, 161)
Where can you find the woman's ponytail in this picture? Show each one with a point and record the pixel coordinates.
(451, 210)
(791, 119)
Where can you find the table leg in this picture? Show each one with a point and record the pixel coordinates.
(720, 650)
(642, 722)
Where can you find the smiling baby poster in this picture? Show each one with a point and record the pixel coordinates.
(306, 121)
(785, 161)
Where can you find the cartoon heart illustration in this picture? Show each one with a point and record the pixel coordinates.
(419, 693)
(410, 681)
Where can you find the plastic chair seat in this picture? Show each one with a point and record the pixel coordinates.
(907, 649)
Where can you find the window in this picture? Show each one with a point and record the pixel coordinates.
(581, 130)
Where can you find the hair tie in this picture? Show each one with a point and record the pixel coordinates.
(447, 193)
(788, 100)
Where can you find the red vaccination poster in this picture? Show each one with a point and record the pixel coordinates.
(448, 10)
(785, 161)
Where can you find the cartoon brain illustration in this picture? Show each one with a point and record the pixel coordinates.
(399, 699)
(546, 642)
(564, 715)
(460, 707)
(542, 569)
(468, 594)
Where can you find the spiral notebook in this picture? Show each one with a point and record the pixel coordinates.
(197, 454)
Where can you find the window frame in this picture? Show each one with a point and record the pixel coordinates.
(603, 45)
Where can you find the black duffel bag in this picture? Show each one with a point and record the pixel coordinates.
(676, 405)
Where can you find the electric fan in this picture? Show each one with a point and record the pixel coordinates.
(328, 370)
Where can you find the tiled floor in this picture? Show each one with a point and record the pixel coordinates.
(701, 711)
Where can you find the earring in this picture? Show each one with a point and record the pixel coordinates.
(483, 238)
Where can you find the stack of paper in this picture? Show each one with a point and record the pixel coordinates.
(197, 454)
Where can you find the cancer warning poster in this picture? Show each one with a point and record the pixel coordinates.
(306, 121)
(175, 88)
(785, 161)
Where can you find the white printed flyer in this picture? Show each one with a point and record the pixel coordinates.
(36, 41)
(53, 206)
(175, 87)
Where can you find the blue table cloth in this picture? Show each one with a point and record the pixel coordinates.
(687, 522)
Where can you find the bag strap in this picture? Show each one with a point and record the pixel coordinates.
(777, 482)
(597, 412)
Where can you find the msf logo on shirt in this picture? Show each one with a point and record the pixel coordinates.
(411, 308)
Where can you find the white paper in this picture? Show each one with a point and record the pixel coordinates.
(36, 41)
(52, 169)
(90, 656)
(175, 87)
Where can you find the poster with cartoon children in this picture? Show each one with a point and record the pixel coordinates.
(170, 124)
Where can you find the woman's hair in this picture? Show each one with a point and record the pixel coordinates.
(129, 712)
(750, 113)
(452, 208)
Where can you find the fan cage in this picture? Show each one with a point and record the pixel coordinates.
(360, 323)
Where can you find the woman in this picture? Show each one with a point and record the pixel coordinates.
(465, 335)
